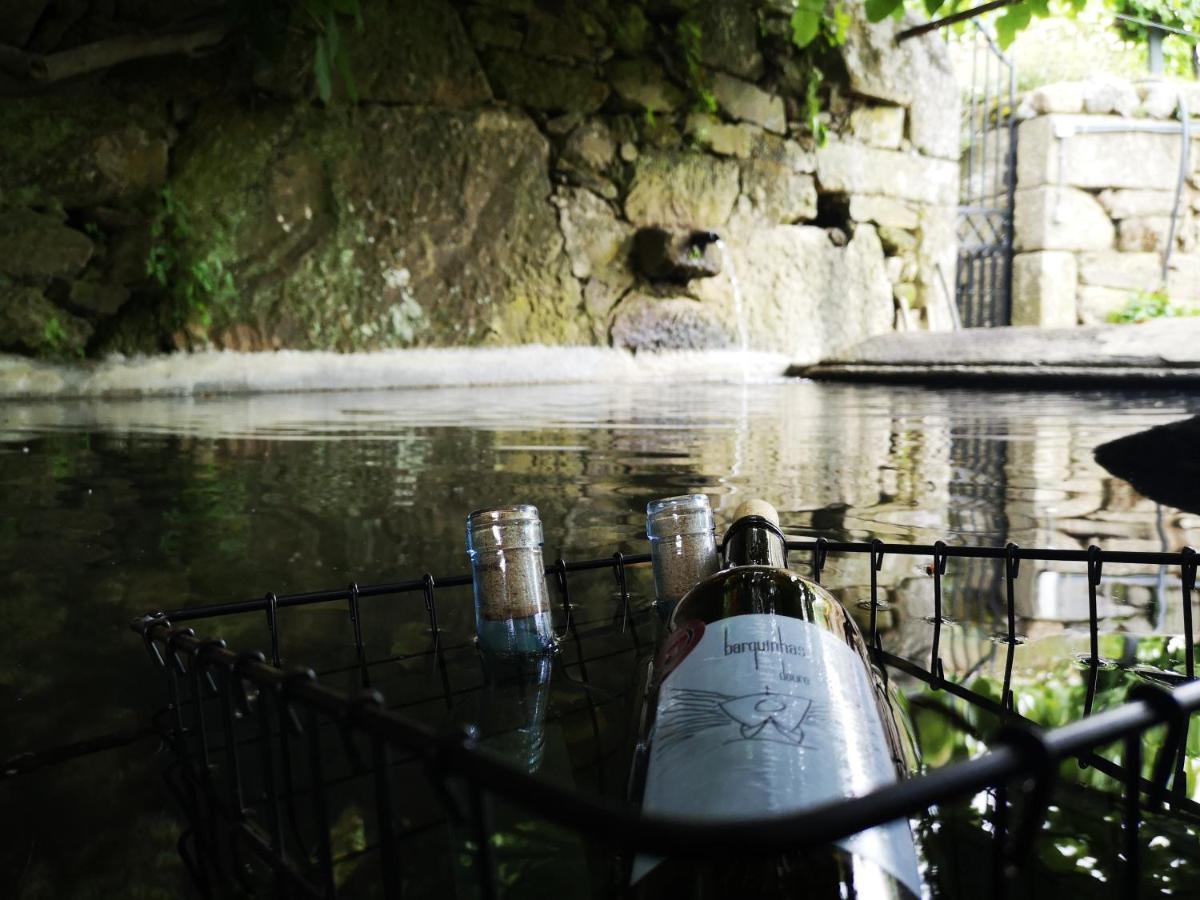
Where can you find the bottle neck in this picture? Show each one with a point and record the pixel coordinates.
(755, 541)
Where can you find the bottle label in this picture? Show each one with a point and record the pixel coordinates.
(772, 715)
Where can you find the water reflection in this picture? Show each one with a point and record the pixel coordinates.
(117, 508)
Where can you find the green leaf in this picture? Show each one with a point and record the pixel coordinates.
(806, 24)
(341, 61)
(321, 70)
(878, 10)
(1015, 18)
(333, 35)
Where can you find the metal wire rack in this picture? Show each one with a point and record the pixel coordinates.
(264, 757)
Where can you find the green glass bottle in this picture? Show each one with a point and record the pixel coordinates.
(766, 702)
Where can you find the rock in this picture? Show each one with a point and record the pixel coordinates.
(97, 300)
(749, 103)
(879, 126)
(1145, 234)
(543, 85)
(1043, 293)
(691, 190)
(643, 86)
(1159, 99)
(934, 118)
(1048, 218)
(774, 194)
(631, 30)
(847, 168)
(591, 146)
(883, 211)
(1103, 96)
(38, 248)
(772, 147)
(1053, 144)
(660, 133)
(416, 52)
(905, 294)
(241, 338)
(567, 32)
(1095, 303)
(597, 242)
(727, 140)
(494, 28)
(564, 124)
(897, 241)
(629, 152)
(1161, 463)
(879, 67)
(29, 323)
(729, 37)
(432, 226)
(916, 73)
(1059, 97)
(644, 322)
(126, 253)
(803, 296)
(676, 255)
(1183, 278)
(1127, 271)
(1129, 203)
(75, 147)
(936, 260)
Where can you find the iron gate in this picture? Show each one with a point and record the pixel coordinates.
(983, 291)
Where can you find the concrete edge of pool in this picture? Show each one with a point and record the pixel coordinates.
(1164, 353)
(287, 371)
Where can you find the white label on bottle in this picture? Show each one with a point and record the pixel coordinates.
(772, 715)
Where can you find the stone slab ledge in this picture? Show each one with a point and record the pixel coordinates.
(1159, 351)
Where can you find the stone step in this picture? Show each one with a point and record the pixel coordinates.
(1165, 351)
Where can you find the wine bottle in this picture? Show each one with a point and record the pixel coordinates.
(765, 702)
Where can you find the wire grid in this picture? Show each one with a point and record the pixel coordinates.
(258, 751)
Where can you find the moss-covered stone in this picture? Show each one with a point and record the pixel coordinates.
(643, 85)
(494, 28)
(29, 323)
(79, 147)
(729, 37)
(39, 248)
(569, 32)
(692, 190)
(544, 85)
(378, 228)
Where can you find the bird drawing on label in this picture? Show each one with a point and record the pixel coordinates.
(762, 716)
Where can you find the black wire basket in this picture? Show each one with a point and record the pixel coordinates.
(295, 784)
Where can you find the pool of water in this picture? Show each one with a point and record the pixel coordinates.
(112, 509)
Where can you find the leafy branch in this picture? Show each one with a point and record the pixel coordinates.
(331, 53)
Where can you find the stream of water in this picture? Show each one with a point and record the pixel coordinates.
(735, 290)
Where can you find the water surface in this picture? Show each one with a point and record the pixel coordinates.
(112, 509)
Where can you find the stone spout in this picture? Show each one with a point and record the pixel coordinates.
(676, 255)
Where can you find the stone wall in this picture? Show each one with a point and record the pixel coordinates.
(1098, 183)
(488, 187)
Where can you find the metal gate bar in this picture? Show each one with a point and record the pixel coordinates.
(983, 290)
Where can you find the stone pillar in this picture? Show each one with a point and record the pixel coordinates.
(1044, 285)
